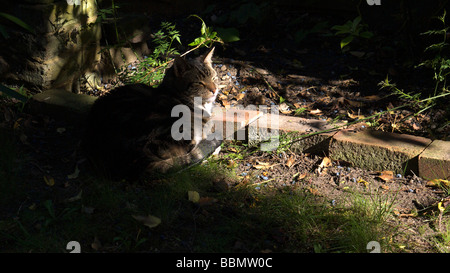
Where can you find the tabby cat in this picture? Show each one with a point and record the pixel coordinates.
(129, 128)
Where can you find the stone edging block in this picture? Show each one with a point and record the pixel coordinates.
(434, 162)
(377, 151)
(373, 150)
(62, 104)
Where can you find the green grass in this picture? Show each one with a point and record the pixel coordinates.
(241, 219)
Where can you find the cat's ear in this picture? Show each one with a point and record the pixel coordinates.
(208, 56)
(180, 66)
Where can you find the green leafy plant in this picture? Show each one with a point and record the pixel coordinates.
(352, 30)
(151, 69)
(441, 67)
(207, 37)
(440, 63)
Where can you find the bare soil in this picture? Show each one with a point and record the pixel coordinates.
(315, 75)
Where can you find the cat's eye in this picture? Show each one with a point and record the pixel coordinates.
(209, 85)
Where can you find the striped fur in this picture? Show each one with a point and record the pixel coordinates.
(129, 129)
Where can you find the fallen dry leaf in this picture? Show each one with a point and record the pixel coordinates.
(350, 115)
(366, 184)
(50, 181)
(386, 176)
(416, 126)
(263, 165)
(193, 196)
(326, 161)
(74, 174)
(438, 183)
(206, 201)
(290, 161)
(149, 220)
(74, 198)
(96, 245)
(372, 98)
(240, 96)
(313, 191)
(316, 112)
(17, 123)
(226, 104)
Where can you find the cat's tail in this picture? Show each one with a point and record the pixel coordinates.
(201, 151)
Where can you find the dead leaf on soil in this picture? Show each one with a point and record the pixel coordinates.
(17, 123)
(313, 191)
(193, 196)
(290, 161)
(149, 220)
(386, 176)
(326, 161)
(50, 181)
(438, 183)
(240, 96)
(206, 201)
(96, 244)
(366, 184)
(372, 98)
(416, 126)
(407, 215)
(316, 112)
(352, 116)
(298, 176)
(263, 165)
(226, 104)
(32, 206)
(74, 174)
(222, 97)
(74, 198)
(284, 108)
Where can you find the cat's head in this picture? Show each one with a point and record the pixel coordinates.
(194, 78)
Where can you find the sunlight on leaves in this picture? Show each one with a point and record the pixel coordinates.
(438, 183)
(193, 196)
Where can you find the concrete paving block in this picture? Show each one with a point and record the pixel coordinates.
(375, 150)
(434, 162)
(60, 103)
(230, 124)
(271, 131)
